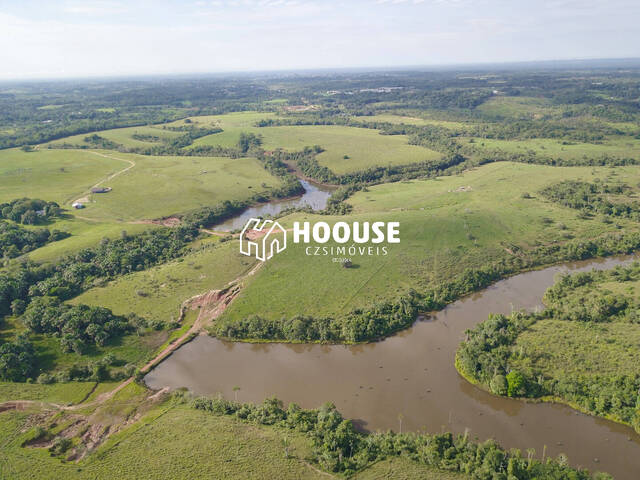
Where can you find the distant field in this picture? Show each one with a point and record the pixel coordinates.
(232, 125)
(445, 227)
(410, 120)
(161, 186)
(157, 293)
(365, 148)
(54, 175)
(123, 136)
(624, 147)
(518, 107)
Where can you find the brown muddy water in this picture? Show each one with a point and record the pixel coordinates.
(412, 374)
(314, 196)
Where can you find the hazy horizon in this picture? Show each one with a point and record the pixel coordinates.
(100, 38)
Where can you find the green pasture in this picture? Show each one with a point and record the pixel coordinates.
(84, 234)
(566, 348)
(178, 442)
(162, 186)
(158, 292)
(446, 225)
(518, 107)
(53, 175)
(365, 148)
(123, 136)
(624, 147)
(409, 120)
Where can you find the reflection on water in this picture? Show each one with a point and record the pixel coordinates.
(411, 374)
(315, 196)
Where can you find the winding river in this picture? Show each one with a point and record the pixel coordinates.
(315, 196)
(410, 375)
(413, 374)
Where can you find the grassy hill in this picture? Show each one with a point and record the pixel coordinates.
(446, 225)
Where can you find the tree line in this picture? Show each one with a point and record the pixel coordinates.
(16, 240)
(338, 447)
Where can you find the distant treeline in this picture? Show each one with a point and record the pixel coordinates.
(37, 112)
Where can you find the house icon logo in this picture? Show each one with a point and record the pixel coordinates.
(262, 241)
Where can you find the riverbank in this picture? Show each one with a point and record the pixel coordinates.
(411, 373)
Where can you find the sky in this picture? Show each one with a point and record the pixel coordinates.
(72, 38)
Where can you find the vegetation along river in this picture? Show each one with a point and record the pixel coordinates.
(412, 374)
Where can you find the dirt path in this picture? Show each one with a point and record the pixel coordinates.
(85, 196)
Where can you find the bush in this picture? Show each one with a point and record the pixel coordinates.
(499, 385)
(516, 384)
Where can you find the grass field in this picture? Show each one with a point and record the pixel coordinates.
(72, 392)
(162, 186)
(408, 120)
(404, 469)
(560, 347)
(178, 443)
(518, 107)
(446, 225)
(232, 125)
(53, 175)
(624, 147)
(123, 136)
(365, 148)
(565, 348)
(84, 234)
(157, 293)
